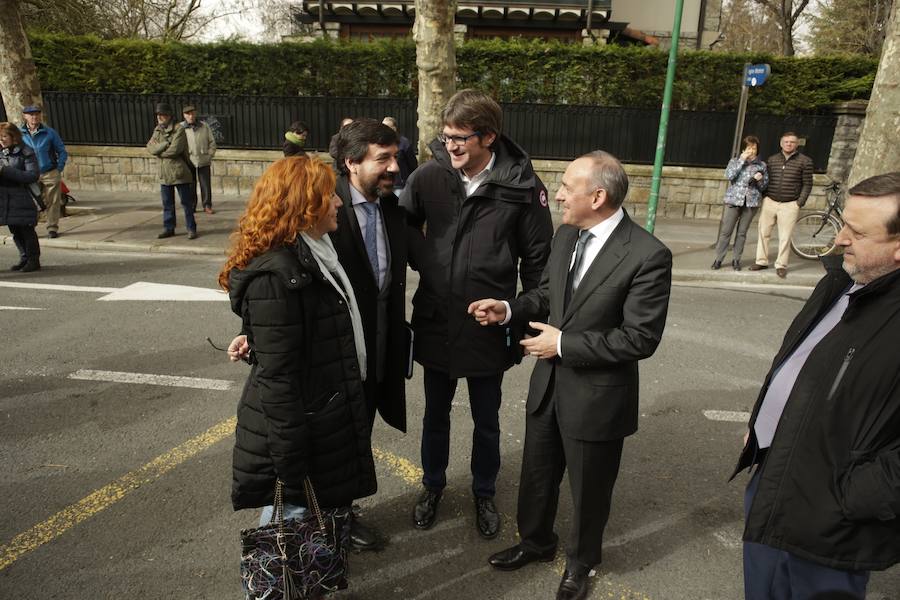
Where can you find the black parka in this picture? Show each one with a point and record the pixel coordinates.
(829, 487)
(301, 335)
(467, 249)
(18, 168)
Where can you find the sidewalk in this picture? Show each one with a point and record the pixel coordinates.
(130, 222)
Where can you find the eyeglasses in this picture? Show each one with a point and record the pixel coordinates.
(458, 140)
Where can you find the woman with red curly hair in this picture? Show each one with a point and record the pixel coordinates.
(302, 412)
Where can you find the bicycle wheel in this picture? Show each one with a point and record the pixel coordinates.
(814, 235)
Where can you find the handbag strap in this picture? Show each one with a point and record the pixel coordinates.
(314, 503)
(278, 505)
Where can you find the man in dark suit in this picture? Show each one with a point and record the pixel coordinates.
(606, 291)
(371, 246)
(374, 255)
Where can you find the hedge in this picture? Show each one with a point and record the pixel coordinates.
(514, 71)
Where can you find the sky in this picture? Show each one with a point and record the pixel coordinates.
(247, 24)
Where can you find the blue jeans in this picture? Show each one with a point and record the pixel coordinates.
(773, 574)
(186, 196)
(484, 401)
(290, 512)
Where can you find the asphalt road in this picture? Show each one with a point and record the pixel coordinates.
(121, 490)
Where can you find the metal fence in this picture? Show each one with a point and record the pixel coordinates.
(700, 139)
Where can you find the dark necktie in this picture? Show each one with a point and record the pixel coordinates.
(370, 238)
(583, 237)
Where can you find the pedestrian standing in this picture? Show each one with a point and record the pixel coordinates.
(18, 209)
(169, 144)
(746, 176)
(202, 149)
(790, 182)
(51, 156)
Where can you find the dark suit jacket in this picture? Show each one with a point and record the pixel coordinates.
(351, 251)
(614, 319)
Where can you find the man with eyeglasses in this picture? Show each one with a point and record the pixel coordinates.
(481, 222)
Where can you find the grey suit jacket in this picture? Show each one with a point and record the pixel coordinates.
(614, 319)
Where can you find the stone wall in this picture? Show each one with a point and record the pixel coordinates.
(684, 192)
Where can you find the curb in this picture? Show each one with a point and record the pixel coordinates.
(755, 278)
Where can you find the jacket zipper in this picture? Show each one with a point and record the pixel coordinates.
(840, 374)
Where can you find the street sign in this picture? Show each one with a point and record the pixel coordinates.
(755, 75)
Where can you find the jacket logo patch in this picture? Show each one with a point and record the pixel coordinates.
(543, 198)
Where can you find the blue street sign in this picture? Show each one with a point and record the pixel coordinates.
(755, 75)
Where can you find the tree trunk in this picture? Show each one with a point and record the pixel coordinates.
(787, 37)
(436, 62)
(19, 83)
(880, 136)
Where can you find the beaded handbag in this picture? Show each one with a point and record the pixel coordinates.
(296, 559)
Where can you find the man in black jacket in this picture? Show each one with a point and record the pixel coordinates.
(823, 503)
(790, 182)
(481, 222)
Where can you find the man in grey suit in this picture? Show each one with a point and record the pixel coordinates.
(606, 291)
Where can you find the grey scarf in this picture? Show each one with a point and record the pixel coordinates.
(326, 257)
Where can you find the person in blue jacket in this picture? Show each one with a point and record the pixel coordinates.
(52, 156)
(747, 176)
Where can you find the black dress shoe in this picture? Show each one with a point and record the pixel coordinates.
(30, 265)
(18, 266)
(517, 557)
(736, 265)
(425, 511)
(717, 264)
(165, 234)
(52, 234)
(486, 518)
(364, 539)
(574, 585)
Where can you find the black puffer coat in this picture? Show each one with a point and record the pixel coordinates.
(302, 411)
(469, 248)
(18, 168)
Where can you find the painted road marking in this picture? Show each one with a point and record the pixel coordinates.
(19, 308)
(732, 416)
(140, 291)
(164, 292)
(403, 468)
(57, 288)
(108, 495)
(150, 379)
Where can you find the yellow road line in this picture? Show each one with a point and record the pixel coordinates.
(108, 495)
(401, 467)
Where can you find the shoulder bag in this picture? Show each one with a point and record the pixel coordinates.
(296, 559)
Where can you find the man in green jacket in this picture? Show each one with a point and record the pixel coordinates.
(169, 144)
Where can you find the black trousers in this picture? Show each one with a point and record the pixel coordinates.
(593, 468)
(26, 240)
(203, 179)
(484, 401)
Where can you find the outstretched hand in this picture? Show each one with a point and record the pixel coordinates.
(488, 311)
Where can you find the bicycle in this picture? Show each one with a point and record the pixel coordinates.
(815, 233)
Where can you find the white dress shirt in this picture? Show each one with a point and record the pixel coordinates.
(362, 218)
(601, 234)
(475, 182)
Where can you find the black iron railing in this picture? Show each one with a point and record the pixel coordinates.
(701, 139)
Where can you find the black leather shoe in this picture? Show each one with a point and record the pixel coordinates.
(574, 585)
(717, 264)
(486, 518)
(362, 538)
(425, 511)
(31, 265)
(52, 234)
(18, 266)
(517, 557)
(165, 234)
(736, 265)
